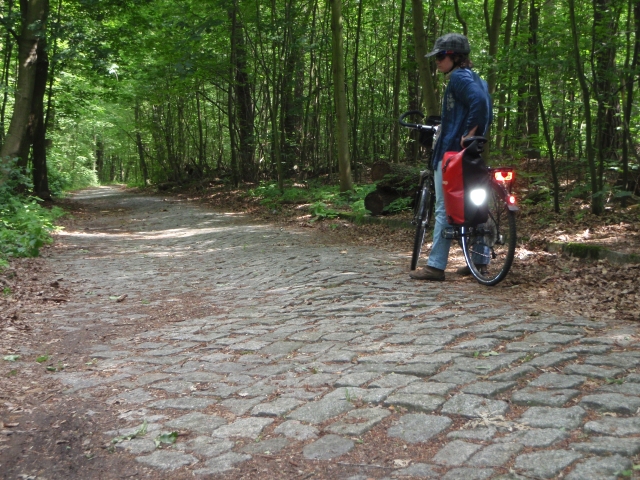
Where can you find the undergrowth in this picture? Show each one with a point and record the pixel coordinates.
(25, 226)
(322, 201)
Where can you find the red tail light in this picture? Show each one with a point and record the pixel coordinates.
(504, 175)
(512, 200)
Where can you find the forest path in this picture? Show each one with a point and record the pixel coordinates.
(275, 356)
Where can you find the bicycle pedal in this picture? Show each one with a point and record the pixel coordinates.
(450, 233)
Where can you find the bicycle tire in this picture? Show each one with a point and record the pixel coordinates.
(422, 218)
(499, 234)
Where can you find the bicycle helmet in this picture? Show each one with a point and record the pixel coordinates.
(451, 43)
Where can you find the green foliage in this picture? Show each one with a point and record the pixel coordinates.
(25, 226)
(321, 210)
(399, 205)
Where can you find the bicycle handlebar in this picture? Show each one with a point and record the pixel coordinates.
(416, 126)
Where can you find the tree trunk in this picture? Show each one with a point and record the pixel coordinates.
(395, 138)
(40, 173)
(34, 16)
(547, 134)
(340, 96)
(597, 205)
(426, 80)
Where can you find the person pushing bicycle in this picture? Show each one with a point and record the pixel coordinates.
(466, 112)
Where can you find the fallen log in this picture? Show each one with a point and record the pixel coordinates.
(378, 200)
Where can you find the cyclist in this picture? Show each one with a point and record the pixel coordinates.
(466, 112)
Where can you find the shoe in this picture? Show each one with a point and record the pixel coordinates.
(464, 271)
(428, 273)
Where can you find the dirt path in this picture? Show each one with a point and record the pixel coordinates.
(273, 355)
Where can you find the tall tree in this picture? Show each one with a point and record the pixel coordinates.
(340, 96)
(33, 15)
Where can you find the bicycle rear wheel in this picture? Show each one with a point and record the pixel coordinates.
(424, 212)
(495, 239)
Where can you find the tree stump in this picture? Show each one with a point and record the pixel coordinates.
(378, 200)
(394, 181)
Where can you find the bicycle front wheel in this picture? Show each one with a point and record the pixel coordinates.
(424, 212)
(489, 248)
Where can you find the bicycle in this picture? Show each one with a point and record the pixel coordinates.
(488, 248)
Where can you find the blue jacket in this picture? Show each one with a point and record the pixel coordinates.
(466, 103)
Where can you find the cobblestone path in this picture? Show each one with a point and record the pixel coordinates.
(313, 351)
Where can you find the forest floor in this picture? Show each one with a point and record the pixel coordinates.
(48, 430)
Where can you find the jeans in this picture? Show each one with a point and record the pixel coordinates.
(439, 255)
(440, 248)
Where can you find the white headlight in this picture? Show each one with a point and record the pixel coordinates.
(478, 196)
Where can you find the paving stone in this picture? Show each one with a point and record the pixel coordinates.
(206, 446)
(149, 378)
(612, 402)
(451, 375)
(137, 446)
(222, 463)
(240, 406)
(455, 453)
(624, 389)
(428, 388)
(473, 406)
(182, 403)
(487, 389)
(549, 398)
(358, 422)
(550, 417)
(479, 344)
(620, 427)
(385, 358)
(296, 430)
(138, 395)
(436, 358)
(480, 433)
(438, 339)
(266, 447)
(495, 455)
(543, 437)
(588, 349)
(321, 410)
(622, 360)
(546, 464)
(198, 422)
(175, 386)
(281, 348)
(528, 347)
(599, 468)
(549, 337)
(609, 445)
(328, 447)
(551, 359)
(277, 408)
(592, 371)
(167, 460)
(418, 470)
(243, 427)
(355, 379)
(485, 365)
(555, 380)
(393, 380)
(468, 474)
(366, 395)
(417, 369)
(415, 402)
(418, 427)
(513, 374)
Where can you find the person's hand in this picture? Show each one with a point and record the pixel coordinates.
(471, 133)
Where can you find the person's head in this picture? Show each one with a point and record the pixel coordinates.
(451, 51)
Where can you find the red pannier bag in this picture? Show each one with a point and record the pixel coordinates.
(463, 172)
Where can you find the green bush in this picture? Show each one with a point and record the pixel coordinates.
(25, 226)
